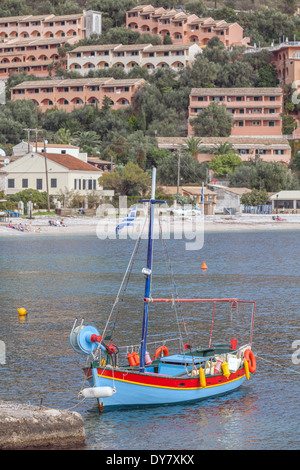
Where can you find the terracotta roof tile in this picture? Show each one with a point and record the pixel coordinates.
(72, 163)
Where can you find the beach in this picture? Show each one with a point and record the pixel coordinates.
(104, 227)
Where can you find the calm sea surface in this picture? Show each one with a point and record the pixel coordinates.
(58, 279)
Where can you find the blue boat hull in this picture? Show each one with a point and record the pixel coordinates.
(131, 394)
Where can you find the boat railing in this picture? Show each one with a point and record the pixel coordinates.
(152, 346)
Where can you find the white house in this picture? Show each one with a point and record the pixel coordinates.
(62, 149)
(65, 173)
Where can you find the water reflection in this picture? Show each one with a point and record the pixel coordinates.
(60, 280)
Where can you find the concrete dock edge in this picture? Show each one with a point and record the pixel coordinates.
(27, 426)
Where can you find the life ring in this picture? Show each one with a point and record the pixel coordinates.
(161, 349)
(249, 356)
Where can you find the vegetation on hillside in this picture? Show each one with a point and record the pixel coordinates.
(128, 136)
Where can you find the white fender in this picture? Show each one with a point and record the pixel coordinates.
(97, 392)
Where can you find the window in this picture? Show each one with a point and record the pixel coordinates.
(279, 152)
(94, 184)
(39, 183)
(24, 183)
(272, 98)
(241, 124)
(271, 124)
(10, 183)
(83, 184)
(90, 184)
(53, 183)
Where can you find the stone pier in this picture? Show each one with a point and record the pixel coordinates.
(27, 426)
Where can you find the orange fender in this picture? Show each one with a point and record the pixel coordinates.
(249, 356)
(161, 349)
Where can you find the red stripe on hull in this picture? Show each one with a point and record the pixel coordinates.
(157, 380)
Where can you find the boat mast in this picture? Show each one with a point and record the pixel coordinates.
(148, 271)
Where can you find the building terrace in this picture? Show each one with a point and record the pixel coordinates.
(30, 55)
(68, 94)
(183, 27)
(269, 149)
(176, 56)
(255, 111)
(79, 25)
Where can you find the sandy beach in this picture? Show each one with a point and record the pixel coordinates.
(104, 227)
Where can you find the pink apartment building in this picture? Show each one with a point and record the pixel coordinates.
(269, 149)
(70, 94)
(30, 43)
(286, 58)
(183, 27)
(79, 25)
(255, 111)
(32, 56)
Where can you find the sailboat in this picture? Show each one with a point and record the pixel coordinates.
(132, 377)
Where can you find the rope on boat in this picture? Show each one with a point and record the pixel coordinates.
(173, 287)
(283, 367)
(126, 275)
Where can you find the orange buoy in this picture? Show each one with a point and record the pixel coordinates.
(204, 265)
(136, 358)
(131, 359)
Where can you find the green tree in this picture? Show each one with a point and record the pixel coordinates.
(224, 148)
(267, 76)
(167, 39)
(289, 124)
(86, 139)
(37, 197)
(62, 136)
(191, 171)
(224, 164)
(213, 121)
(255, 198)
(258, 174)
(130, 180)
(193, 146)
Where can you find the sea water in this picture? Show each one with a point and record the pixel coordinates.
(58, 279)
